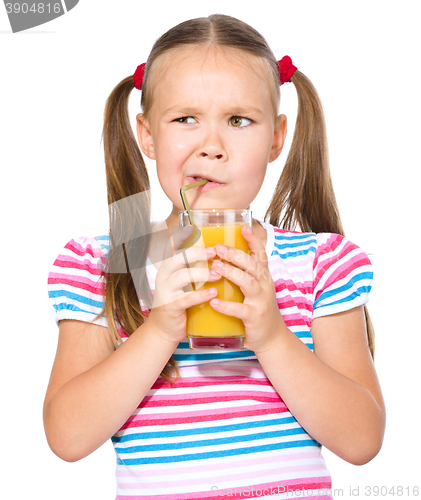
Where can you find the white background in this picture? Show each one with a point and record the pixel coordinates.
(362, 56)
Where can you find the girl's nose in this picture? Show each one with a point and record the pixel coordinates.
(212, 148)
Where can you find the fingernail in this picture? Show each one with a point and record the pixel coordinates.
(217, 263)
(212, 291)
(209, 250)
(222, 248)
(248, 230)
(214, 272)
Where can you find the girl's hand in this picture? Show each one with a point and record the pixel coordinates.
(168, 313)
(259, 311)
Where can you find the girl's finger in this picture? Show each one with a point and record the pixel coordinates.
(247, 282)
(197, 275)
(257, 249)
(229, 308)
(240, 259)
(188, 257)
(181, 301)
(198, 297)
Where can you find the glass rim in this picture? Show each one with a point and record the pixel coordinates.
(215, 210)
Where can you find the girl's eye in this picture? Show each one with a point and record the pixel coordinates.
(185, 119)
(239, 121)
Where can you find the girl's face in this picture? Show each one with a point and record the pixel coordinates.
(211, 117)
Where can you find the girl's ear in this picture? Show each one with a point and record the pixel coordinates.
(144, 136)
(279, 136)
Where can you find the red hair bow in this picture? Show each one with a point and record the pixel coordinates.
(138, 76)
(286, 69)
(285, 66)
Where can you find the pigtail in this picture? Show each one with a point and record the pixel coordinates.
(129, 220)
(304, 193)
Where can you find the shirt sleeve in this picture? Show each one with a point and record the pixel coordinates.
(343, 275)
(76, 285)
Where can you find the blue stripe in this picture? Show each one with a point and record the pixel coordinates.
(210, 442)
(104, 246)
(217, 454)
(73, 296)
(303, 334)
(212, 356)
(185, 346)
(202, 430)
(70, 307)
(228, 355)
(357, 293)
(295, 236)
(295, 245)
(358, 277)
(294, 254)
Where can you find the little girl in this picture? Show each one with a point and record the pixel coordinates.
(201, 424)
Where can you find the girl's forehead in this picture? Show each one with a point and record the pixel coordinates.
(202, 56)
(193, 64)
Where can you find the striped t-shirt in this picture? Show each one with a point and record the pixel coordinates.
(222, 429)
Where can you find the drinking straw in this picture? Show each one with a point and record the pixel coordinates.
(184, 198)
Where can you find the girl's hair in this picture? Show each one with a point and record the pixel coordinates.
(304, 193)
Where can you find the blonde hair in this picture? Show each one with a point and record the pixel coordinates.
(306, 174)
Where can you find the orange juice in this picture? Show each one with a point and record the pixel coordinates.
(202, 319)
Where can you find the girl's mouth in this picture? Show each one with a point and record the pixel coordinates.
(212, 184)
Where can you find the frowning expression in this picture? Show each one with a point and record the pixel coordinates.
(212, 117)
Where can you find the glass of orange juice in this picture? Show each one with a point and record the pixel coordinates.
(207, 328)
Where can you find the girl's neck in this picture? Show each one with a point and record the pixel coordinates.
(173, 219)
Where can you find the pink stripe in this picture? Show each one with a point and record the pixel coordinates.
(332, 259)
(296, 319)
(203, 416)
(274, 488)
(240, 409)
(194, 401)
(251, 367)
(298, 302)
(230, 477)
(207, 397)
(305, 288)
(285, 231)
(207, 381)
(95, 288)
(220, 466)
(330, 245)
(78, 249)
(78, 279)
(346, 268)
(72, 263)
(215, 394)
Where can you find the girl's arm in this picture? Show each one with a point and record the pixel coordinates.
(333, 392)
(94, 389)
